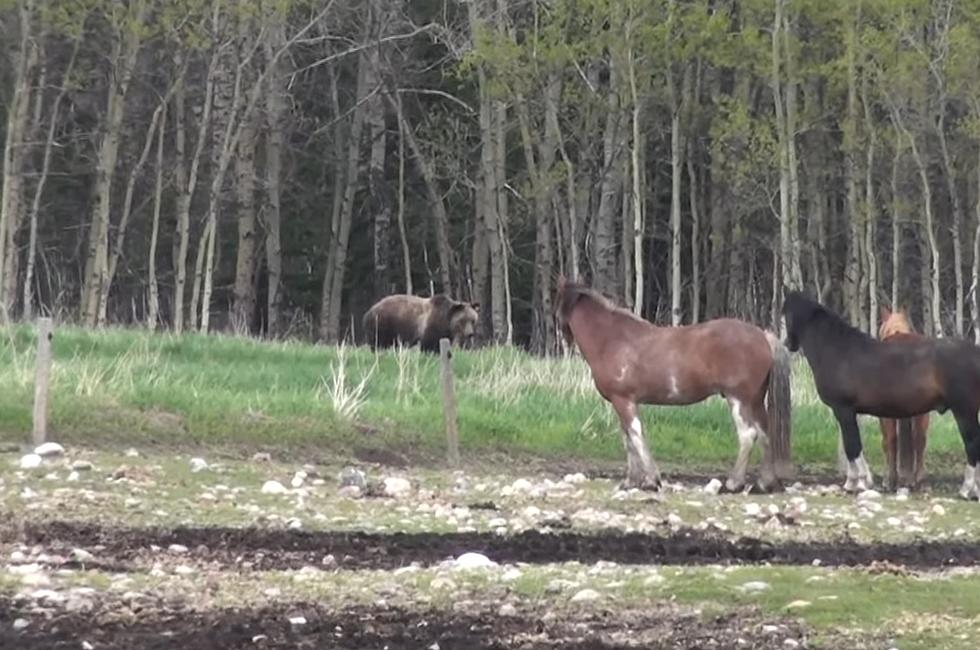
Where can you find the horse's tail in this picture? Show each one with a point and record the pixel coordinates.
(779, 407)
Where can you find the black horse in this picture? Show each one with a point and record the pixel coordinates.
(855, 373)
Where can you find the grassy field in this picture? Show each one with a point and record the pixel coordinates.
(133, 387)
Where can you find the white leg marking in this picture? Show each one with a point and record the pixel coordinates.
(969, 482)
(865, 471)
(747, 434)
(639, 448)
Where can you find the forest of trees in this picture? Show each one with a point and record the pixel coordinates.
(274, 166)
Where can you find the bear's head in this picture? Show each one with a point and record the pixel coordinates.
(463, 317)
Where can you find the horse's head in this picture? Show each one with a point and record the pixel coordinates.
(893, 322)
(797, 312)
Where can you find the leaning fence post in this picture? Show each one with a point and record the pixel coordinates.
(42, 379)
(449, 403)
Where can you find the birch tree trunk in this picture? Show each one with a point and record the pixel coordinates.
(870, 214)
(329, 330)
(604, 228)
(153, 314)
(246, 262)
(28, 306)
(440, 217)
(378, 193)
(11, 209)
(896, 229)
(975, 270)
(402, 235)
(274, 144)
(125, 50)
(852, 267)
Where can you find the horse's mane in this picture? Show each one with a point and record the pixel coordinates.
(813, 312)
(572, 292)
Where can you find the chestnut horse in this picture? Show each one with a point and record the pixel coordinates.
(855, 373)
(634, 362)
(895, 327)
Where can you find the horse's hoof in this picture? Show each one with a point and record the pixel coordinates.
(731, 485)
(768, 487)
(645, 484)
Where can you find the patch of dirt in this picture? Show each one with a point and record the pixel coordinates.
(169, 625)
(265, 549)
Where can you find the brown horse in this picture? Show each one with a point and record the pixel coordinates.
(634, 362)
(895, 327)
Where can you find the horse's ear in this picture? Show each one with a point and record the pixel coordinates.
(884, 312)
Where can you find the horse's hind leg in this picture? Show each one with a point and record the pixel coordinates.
(889, 439)
(641, 471)
(920, 430)
(748, 424)
(859, 476)
(970, 431)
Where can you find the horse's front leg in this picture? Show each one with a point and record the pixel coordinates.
(641, 471)
(859, 476)
(889, 439)
(970, 431)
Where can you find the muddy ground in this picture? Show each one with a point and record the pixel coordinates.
(163, 625)
(266, 549)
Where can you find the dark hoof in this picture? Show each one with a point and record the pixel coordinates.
(762, 487)
(646, 485)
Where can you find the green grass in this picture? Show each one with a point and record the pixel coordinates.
(133, 387)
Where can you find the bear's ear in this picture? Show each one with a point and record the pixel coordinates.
(475, 306)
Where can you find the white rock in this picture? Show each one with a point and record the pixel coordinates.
(585, 595)
(81, 465)
(261, 457)
(294, 524)
(177, 548)
(49, 449)
(791, 643)
(396, 486)
(939, 509)
(87, 646)
(35, 580)
(531, 512)
(798, 604)
(350, 492)
(894, 521)
(24, 569)
(20, 623)
(473, 561)
(870, 494)
(521, 485)
(511, 574)
(132, 453)
(297, 620)
(674, 519)
(81, 555)
(72, 477)
(713, 487)
(297, 481)
(655, 579)
(352, 476)
(198, 464)
(273, 487)
(575, 478)
(507, 610)
(754, 586)
(30, 461)
(752, 509)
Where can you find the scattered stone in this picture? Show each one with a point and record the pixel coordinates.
(298, 479)
(507, 609)
(24, 569)
(674, 519)
(198, 464)
(297, 620)
(351, 476)
(351, 492)
(261, 457)
(81, 466)
(653, 580)
(329, 561)
(894, 521)
(49, 449)
(521, 485)
(20, 623)
(396, 486)
(132, 453)
(869, 494)
(585, 595)
(87, 646)
(511, 574)
(442, 583)
(273, 487)
(72, 477)
(791, 643)
(81, 555)
(771, 629)
(575, 478)
(177, 548)
(938, 509)
(473, 561)
(713, 487)
(258, 638)
(798, 604)
(30, 461)
(752, 509)
(754, 586)
(294, 524)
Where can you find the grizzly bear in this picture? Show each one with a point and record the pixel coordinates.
(412, 319)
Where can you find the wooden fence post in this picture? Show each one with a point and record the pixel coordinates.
(42, 378)
(449, 403)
